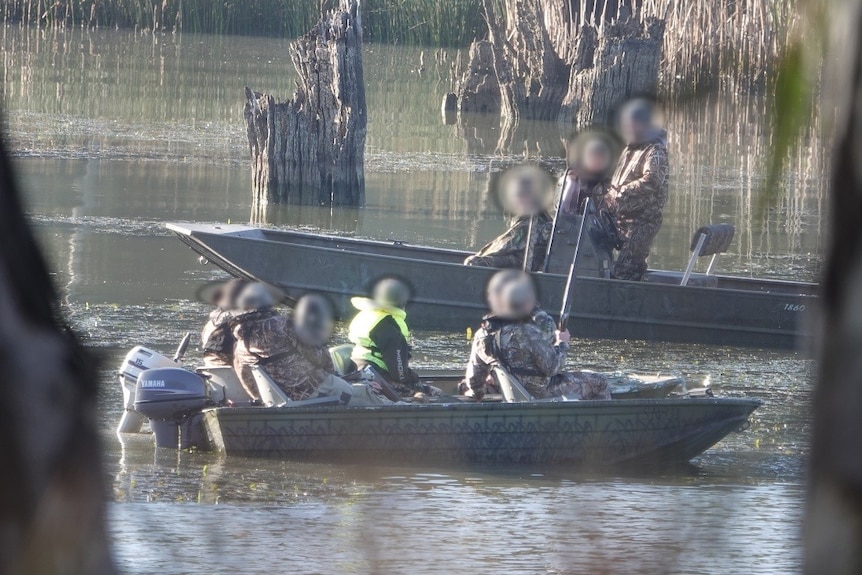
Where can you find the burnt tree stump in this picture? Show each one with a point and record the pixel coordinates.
(311, 148)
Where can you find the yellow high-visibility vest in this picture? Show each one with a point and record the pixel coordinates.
(370, 314)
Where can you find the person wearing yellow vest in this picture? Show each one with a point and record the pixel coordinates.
(380, 335)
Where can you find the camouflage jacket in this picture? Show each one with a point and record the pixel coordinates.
(268, 339)
(217, 339)
(508, 250)
(522, 347)
(640, 184)
(578, 190)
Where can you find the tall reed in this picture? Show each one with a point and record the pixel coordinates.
(705, 40)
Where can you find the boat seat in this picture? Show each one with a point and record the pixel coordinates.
(341, 358)
(513, 390)
(675, 278)
(709, 240)
(272, 395)
(225, 378)
(592, 261)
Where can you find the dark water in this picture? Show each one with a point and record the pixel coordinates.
(119, 133)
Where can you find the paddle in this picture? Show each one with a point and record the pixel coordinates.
(556, 219)
(566, 308)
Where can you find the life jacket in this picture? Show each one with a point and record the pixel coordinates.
(493, 347)
(370, 314)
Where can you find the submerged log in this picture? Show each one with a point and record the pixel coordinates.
(311, 148)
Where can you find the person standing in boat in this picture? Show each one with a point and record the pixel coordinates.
(380, 336)
(514, 338)
(588, 175)
(524, 193)
(217, 341)
(639, 188)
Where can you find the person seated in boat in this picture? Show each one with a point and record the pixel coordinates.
(639, 188)
(380, 336)
(513, 338)
(216, 337)
(292, 351)
(313, 321)
(588, 175)
(524, 193)
(494, 294)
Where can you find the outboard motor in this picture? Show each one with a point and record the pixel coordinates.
(137, 361)
(171, 397)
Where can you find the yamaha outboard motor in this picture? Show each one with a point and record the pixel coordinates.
(136, 362)
(171, 398)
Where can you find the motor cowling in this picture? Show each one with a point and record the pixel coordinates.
(168, 397)
(138, 360)
(169, 393)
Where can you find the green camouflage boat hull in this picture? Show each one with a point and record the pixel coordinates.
(559, 433)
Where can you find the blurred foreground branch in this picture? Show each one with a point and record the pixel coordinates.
(52, 501)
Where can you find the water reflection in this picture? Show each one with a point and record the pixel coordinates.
(120, 133)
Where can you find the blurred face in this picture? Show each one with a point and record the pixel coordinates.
(597, 157)
(632, 130)
(523, 191)
(496, 286)
(635, 121)
(314, 321)
(519, 298)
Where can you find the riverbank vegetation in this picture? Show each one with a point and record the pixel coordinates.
(736, 42)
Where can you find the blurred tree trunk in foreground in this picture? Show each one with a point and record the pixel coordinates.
(52, 499)
(834, 522)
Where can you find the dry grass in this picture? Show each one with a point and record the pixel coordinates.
(732, 41)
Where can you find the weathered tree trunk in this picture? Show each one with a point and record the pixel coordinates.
(573, 62)
(834, 519)
(531, 74)
(52, 497)
(311, 149)
(618, 61)
(477, 90)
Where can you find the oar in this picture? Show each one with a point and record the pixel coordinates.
(566, 308)
(556, 219)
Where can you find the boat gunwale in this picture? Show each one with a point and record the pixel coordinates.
(581, 406)
(194, 234)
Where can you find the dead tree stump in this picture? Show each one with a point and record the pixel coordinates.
(478, 90)
(573, 63)
(532, 76)
(311, 148)
(617, 63)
